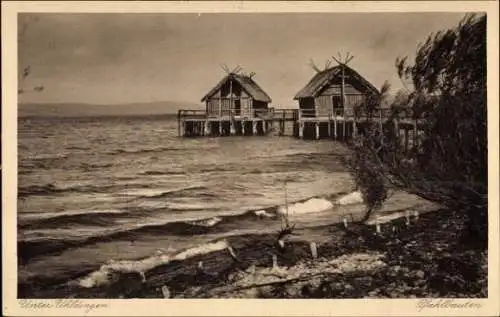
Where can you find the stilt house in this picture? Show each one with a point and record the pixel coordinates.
(236, 96)
(334, 92)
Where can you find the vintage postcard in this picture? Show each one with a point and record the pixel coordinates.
(250, 158)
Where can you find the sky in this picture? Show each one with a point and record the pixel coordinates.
(113, 58)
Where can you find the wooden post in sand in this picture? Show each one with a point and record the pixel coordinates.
(165, 291)
(314, 250)
(377, 226)
(275, 262)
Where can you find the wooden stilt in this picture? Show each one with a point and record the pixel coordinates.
(396, 127)
(301, 130)
(233, 127)
(329, 128)
(335, 128)
(220, 128)
(343, 129)
(254, 127)
(317, 131)
(207, 127)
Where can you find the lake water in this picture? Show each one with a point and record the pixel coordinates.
(94, 190)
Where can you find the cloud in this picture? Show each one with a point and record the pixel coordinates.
(140, 57)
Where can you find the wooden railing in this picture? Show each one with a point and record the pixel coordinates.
(265, 114)
(286, 114)
(191, 114)
(358, 113)
(298, 114)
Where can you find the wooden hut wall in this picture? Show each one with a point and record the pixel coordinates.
(325, 103)
(226, 107)
(213, 105)
(323, 106)
(246, 107)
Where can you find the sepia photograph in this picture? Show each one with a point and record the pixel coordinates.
(273, 155)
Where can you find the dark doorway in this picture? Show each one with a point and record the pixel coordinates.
(237, 107)
(337, 104)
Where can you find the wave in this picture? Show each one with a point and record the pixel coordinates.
(79, 217)
(218, 224)
(312, 205)
(152, 173)
(42, 157)
(206, 222)
(178, 192)
(213, 169)
(29, 249)
(77, 148)
(42, 161)
(45, 189)
(102, 276)
(145, 150)
(352, 198)
(49, 189)
(95, 165)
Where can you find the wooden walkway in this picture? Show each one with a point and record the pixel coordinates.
(309, 124)
(340, 124)
(200, 123)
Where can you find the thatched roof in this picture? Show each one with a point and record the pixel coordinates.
(321, 79)
(247, 83)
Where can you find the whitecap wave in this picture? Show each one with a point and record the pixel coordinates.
(310, 206)
(353, 198)
(263, 214)
(101, 276)
(206, 222)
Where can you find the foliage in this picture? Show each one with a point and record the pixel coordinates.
(447, 163)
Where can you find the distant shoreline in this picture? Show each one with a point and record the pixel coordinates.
(98, 116)
(95, 110)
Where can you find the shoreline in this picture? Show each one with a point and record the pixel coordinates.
(32, 251)
(416, 264)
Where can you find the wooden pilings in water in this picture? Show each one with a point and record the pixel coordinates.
(196, 128)
(334, 129)
(347, 130)
(308, 128)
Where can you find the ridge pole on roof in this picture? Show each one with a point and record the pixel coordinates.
(342, 65)
(231, 106)
(343, 90)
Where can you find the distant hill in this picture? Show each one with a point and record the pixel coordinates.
(84, 110)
